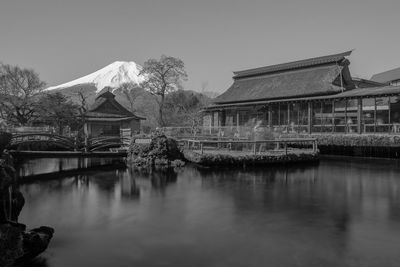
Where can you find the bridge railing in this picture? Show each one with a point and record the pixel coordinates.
(26, 129)
(242, 132)
(71, 143)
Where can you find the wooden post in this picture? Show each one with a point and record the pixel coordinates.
(390, 118)
(314, 146)
(310, 117)
(333, 116)
(359, 112)
(285, 148)
(255, 148)
(269, 116)
(237, 119)
(201, 148)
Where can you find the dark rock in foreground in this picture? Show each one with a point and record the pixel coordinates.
(16, 244)
(35, 242)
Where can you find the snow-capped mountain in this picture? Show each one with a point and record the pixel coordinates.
(113, 75)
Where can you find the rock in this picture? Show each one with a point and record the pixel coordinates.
(17, 203)
(5, 139)
(16, 245)
(35, 242)
(10, 243)
(161, 151)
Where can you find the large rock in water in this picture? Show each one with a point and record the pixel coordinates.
(5, 139)
(161, 151)
(16, 245)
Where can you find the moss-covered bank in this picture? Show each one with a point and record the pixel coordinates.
(241, 160)
(360, 145)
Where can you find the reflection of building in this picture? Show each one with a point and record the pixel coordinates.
(312, 95)
(391, 77)
(106, 117)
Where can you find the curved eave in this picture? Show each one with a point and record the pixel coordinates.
(355, 93)
(292, 65)
(113, 119)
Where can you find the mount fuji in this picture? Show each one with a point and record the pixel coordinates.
(113, 75)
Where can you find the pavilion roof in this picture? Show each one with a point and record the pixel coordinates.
(105, 106)
(336, 58)
(354, 93)
(309, 77)
(304, 82)
(387, 76)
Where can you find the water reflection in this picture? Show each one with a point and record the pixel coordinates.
(40, 166)
(337, 213)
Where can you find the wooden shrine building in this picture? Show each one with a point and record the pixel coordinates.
(316, 95)
(106, 117)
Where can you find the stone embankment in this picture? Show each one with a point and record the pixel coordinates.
(221, 158)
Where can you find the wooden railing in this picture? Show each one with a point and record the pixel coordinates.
(278, 144)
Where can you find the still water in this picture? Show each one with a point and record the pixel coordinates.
(341, 212)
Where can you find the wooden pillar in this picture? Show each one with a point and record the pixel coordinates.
(270, 116)
(359, 113)
(237, 118)
(223, 118)
(374, 114)
(333, 116)
(310, 117)
(86, 128)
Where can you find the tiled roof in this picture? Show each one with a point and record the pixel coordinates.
(106, 102)
(94, 114)
(387, 76)
(293, 65)
(359, 92)
(303, 82)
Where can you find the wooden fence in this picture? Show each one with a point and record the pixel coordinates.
(272, 145)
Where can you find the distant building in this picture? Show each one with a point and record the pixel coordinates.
(316, 95)
(390, 77)
(363, 83)
(106, 117)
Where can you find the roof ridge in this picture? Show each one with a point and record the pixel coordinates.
(292, 65)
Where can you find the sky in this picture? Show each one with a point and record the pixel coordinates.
(64, 40)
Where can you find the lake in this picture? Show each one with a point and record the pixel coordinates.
(340, 212)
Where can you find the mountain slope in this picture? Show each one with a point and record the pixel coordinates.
(113, 75)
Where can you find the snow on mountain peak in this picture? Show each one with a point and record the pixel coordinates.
(113, 75)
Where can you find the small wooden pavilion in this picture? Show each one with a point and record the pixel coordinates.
(106, 117)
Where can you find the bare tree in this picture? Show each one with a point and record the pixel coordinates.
(184, 108)
(82, 102)
(19, 89)
(131, 91)
(162, 77)
(58, 110)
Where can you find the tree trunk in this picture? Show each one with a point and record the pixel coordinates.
(60, 128)
(160, 111)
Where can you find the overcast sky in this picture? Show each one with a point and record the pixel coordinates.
(64, 40)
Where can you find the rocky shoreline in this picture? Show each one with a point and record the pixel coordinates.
(248, 160)
(17, 245)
